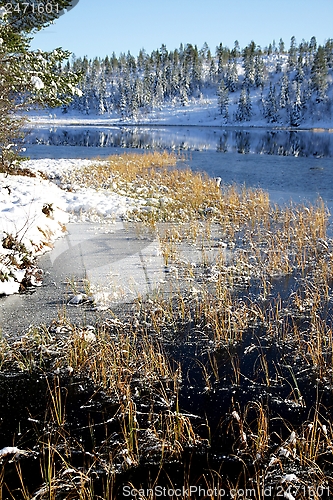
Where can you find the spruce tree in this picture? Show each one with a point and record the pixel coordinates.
(271, 108)
(296, 109)
(259, 71)
(244, 110)
(319, 74)
(281, 46)
(284, 91)
(223, 100)
(231, 79)
(299, 75)
(292, 54)
(28, 78)
(248, 64)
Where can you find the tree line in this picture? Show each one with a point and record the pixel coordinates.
(284, 84)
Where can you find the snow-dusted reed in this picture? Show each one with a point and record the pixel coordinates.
(243, 309)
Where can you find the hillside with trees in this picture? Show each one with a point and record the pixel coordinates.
(273, 85)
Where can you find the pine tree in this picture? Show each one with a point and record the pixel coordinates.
(278, 67)
(101, 96)
(133, 104)
(196, 72)
(299, 75)
(125, 96)
(141, 59)
(174, 83)
(292, 54)
(212, 71)
(107, 67)
(303, 53)
(248, 64)
(284, 91)
(313, 45)
(271, 108)
(167, 79)
(115, 65)
(319, 74)
(184, 88)
(29, 19)
(148, 81)
(158, 96)
(205, 52)
(244, 110)
(259, 71)
(223, 100)
(28, 78)
(183, 96)
(281, 46)
(222, 55)
(236, 50)
(296, 110)
(329, 53)
(231, 79)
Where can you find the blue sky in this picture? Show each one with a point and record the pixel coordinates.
(99, 27)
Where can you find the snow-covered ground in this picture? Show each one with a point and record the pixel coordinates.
(34, 212)
(198, 112)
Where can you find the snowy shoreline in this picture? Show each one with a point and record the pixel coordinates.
(193, 116)
(34, 212)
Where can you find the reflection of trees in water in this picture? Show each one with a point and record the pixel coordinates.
(295, 145)
(96, 138)
(243, 142)
(222, 144)
(279, 143)
(271, 142)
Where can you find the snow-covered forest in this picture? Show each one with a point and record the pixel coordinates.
(275, 85)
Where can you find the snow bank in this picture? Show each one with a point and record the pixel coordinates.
(32, 216)
(34, 212)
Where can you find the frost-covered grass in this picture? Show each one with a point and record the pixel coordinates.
(165, 193)
(229, 359)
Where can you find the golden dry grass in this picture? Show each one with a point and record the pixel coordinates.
(128, 361)
(169, 193)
